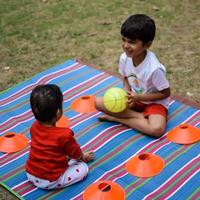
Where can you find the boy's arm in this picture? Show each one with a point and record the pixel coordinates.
(126, 84)
(160, 82)
(149, 97)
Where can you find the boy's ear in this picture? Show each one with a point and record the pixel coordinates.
(148, 44)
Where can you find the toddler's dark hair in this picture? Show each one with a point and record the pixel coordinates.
(45, 101)
(139, 26)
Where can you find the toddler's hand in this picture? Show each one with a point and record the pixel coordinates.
(88, 156)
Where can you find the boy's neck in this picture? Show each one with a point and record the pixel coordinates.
(137, 60)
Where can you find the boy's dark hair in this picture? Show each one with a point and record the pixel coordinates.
(45, 101)
(139, 26)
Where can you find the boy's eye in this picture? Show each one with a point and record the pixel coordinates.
(123, 39)
(128, 40)
(132, 41)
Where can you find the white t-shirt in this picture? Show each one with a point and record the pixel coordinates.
(148, 77)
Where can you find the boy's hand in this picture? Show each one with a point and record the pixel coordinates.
(132, 99)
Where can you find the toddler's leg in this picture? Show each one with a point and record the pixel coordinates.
(76, 172)
(38, 182)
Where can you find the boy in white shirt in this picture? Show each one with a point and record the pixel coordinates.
(144, 80)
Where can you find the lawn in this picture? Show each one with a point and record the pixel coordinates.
(38, 34)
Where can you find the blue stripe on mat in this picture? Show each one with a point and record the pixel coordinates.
(114, 144)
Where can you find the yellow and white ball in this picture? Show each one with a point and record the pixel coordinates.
(115, 100)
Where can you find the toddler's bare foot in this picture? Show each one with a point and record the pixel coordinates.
(106, 118)
(88, 156)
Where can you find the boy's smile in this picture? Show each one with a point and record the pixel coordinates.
(134, 49)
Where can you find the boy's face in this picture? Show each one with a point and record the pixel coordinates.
(134, 48)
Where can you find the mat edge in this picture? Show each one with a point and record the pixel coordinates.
(11, 191)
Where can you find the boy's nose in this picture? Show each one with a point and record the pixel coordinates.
(126, 44)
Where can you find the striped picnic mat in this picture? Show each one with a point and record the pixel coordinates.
(113, 143)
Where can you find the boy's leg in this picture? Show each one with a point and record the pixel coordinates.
(149, 123)
(154, 125)
(127, 113)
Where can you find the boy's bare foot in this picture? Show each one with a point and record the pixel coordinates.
(106, 118)
(88, 156)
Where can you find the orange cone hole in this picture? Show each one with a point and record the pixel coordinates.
(84, 104)
(10, 135)
(104, 190)
(104, 187)
(145, 165)
(12, 142)
(144, 157)
(184, 134)
(63, 122)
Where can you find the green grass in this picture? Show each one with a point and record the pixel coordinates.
(38, 34)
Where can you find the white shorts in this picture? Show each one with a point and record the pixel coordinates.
(76, 172)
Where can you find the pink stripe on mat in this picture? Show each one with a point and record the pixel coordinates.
(26, 90)
(122, 173)
(120, 167)
(10, 123)
(196, 196)
(134, 138)
(175, 177)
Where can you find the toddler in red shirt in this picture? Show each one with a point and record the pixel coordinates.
(55, 158)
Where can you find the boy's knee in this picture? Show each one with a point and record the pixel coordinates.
(157, 130)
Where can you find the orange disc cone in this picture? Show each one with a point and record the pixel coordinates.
(104, 190)
(145, 165)
(84, 104)
(184, 134)
(12, 142)
(63, 122)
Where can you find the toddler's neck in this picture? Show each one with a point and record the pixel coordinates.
(48, 124)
